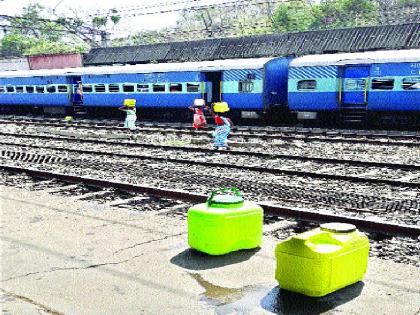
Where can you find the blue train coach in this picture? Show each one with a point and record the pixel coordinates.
(356, 86)
(250, 86)
(43, 88)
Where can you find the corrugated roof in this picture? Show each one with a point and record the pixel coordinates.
(403, 36)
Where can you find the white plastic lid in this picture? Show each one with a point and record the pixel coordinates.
(338, 227)
(198, 102)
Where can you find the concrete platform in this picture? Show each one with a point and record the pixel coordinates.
(65, 256)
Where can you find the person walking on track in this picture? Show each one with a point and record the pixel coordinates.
(223, 126)
(199, 121)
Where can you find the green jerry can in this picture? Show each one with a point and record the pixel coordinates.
(323, 260)
(225, 223)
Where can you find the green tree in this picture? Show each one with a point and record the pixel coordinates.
(32, 33)
(409, 3)
(302, 15)
(44, 46)
(15, 44)
(102, 21)
(296, 15)
(347, 13)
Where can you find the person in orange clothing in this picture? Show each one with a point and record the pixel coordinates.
(199, 121)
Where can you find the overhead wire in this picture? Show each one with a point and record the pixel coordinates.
(142, 7)
(238, 3)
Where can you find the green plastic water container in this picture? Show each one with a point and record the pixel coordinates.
(323, 260)
(225, 223)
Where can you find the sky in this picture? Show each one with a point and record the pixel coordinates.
(142, 22)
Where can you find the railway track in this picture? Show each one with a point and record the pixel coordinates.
(310, 167)
(400, 157)
(246, 133)
(349, 187)
(400, 249)
(337, 195)
(269, 208)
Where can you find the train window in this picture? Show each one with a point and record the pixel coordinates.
(128, 88)
(382, 84)
(29, 89)
(99, 88)
(245, 86)
(62, 89)
(87, 88)
(19, 89)
(158, 87)
(51, 88)
(411, 83)
(193, 88)
(2, 89)
(10, 89)
(175, 87)
(142, 88)
(306, 85)
(114, 88)
(40, 89)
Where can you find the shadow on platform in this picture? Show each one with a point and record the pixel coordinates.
(195, 260)
(280, 301)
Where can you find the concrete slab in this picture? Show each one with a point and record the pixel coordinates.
(61, 255)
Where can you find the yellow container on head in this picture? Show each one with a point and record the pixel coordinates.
(323, 260)
(129, 102)
(220, 107)
(225, 223)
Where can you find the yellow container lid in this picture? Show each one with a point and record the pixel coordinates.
(220, 107)
(129, 102)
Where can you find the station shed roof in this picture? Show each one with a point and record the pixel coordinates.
(392, 37)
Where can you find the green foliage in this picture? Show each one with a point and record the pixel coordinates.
(31, 34)
(115, 18)
(102, 21)
(301, 15)
(15, 44)
(47, 47)
(296, 15)
(409, 3)
(99, 20)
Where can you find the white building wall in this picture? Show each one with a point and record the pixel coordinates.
(11, 64)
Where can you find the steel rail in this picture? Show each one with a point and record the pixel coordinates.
(254, 134)
(231, 152)
(259, 169)
(272, 209)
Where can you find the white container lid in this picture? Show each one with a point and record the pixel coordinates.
(338, 227)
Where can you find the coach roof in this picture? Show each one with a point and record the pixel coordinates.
(216, 65)
(369, 57)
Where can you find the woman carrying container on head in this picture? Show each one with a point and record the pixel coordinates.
(199, 121)
(130, 108)
(223, 126)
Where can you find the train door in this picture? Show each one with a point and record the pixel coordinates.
(76, 91)
(76, 95)
(213, 87)
(355, 81)
(353, 93)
